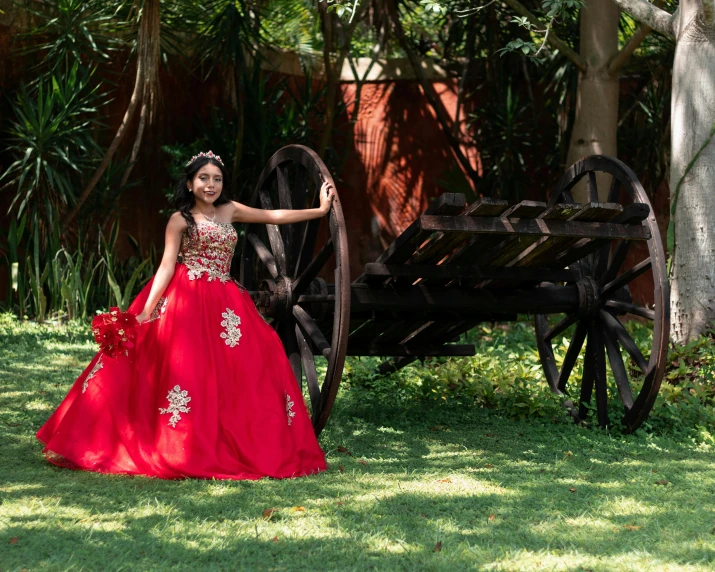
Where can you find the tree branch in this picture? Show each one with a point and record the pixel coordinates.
(649, 15)
(551, 38)
(624, 54)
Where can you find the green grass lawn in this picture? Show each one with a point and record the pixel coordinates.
(426, 485)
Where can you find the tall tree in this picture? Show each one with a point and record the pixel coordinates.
(692, 168)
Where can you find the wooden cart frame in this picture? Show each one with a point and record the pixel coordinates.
(458, 265)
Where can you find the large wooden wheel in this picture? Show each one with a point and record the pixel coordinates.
(284, 267)
(609, 271)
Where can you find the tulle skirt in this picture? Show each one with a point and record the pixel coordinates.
(206, 392)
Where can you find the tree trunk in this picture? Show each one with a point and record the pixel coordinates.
(693, 118)
(596, 121)
(145, 91)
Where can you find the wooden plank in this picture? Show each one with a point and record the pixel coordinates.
(403, 247)
(369, 331)
(400, 350)
(446, 272)
(442, 246)
(525, 209)
(633, 214)
(548, 248)
(463, 301)
(513, 246)
(400, 331)
(566, 228)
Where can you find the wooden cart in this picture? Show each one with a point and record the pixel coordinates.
(458, 265)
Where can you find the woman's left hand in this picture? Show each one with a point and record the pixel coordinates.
(327, 195)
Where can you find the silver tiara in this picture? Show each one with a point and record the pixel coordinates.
(209, 155)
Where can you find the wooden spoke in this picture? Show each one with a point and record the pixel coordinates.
(572, 354)
(626, 277)
(284, 198)
(592, 187)
(310, 236)
(311, 374)
(274, 234)
(619, 256)
(297, 230)
(634, 309)
(587, 381)
(618, 369)
(264, 254)
(616, 329)
(546, 351)
(598, 358)
(286, 328)
(308, 275)
(312, 329)
(615, 190)
(559, 328)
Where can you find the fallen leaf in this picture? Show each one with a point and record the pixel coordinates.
(491, 518)
(275, 539)
(572, 490)
(298, 509)
(341, 469)
(343, 450)
(13, 540)
(488, 466)
(362, 462)
(631, 527)
(445, 480)
(269, 512)
(438, 547)
(662, 482)
(340, 503)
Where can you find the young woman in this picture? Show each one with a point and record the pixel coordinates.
(206, 391)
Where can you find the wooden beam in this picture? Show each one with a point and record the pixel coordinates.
(538, 227)
(454, 272)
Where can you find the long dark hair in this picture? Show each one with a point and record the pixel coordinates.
(185, 200)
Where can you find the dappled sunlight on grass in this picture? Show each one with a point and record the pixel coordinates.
(414, 485)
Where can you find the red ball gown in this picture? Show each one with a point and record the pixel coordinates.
(206, 391)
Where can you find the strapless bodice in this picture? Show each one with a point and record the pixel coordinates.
(208, 251)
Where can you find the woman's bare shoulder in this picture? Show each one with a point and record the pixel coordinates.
(177, 222)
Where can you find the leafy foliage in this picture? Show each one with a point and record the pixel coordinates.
(51, 139)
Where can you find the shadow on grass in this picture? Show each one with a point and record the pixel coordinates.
(492, 492)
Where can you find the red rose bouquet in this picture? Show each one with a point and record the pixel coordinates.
(114, 331)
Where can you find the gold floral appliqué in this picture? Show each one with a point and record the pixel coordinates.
(230, 323)
(97, 366)
(289, 409)
(178, 399)
(209, 251)
(158, 310)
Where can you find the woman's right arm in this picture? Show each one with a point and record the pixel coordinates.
(172, 243)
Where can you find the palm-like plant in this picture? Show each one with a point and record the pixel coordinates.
(74, 32)
(50, 137)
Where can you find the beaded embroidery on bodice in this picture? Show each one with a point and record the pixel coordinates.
(209, 251)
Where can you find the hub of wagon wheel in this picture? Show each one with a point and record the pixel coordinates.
(588, 298)
(274, 298)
